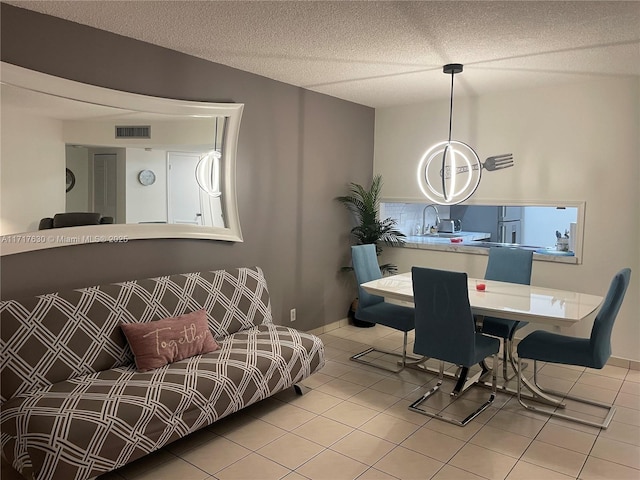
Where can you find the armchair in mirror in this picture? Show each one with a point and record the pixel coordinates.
(75, 154)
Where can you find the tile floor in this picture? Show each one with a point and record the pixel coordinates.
(354, 424)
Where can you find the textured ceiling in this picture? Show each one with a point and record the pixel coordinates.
(384, 53)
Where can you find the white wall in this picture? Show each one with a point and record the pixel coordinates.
(77, 160)
(32, 184)
(146, 203)
(539, 226)
(574, 142)
(185, 131)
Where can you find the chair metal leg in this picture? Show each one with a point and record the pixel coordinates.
(461, 377)
(402, 362)
(464, 382)
(505, 375)
(415, 406)
(611, 409)
(522, 365)
(538, 394)
(508, 358)
(417, 363)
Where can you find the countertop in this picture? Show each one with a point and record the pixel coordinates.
(469, 244)
(446, 238)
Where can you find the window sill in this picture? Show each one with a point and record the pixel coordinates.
(445, 245)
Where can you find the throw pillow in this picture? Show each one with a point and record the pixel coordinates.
(161, 342)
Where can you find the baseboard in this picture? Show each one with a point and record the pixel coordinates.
(613, 361)
(331, 326)
(624, 363)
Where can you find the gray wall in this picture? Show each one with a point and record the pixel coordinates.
(297, 151)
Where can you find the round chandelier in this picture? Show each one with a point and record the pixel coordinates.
(208, 169)
(450, 171)
(208, 173)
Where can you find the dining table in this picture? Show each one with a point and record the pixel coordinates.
(537, 305)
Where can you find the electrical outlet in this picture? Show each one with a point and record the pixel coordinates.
(292, 314)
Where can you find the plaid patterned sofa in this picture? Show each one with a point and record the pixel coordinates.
(73, 404)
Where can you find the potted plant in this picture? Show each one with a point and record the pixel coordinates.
(364, 205)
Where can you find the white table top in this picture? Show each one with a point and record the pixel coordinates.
(512, 301)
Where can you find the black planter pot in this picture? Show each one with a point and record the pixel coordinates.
(362, 323)
(354, 321)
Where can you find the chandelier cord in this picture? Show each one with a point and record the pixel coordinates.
(460, 167)
(451, 107)
(446, 148)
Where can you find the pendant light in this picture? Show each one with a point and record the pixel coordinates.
(208, 169)
(450, 171)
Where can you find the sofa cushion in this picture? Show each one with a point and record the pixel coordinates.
(58, 336)
(155, 344)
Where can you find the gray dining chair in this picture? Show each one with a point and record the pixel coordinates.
(511, 265)
(373, 308)
(445, 330)
(592, 352)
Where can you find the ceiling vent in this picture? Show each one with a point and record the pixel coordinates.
(133, 131)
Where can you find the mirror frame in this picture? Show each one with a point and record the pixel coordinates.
(43, 83)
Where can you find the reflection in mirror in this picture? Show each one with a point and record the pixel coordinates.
(147, 167)
(150, 183)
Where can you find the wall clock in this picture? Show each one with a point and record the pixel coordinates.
(147, 177)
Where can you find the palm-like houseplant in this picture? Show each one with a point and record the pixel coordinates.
(364, 205)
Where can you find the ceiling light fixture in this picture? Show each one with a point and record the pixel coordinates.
(208, 169)
(457, 175)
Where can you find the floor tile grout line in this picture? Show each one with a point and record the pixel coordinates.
(379, 411)
(611, 461)
(260, 454)
(548, 422)
(396, 444)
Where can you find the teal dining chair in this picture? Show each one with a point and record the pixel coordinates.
(445, 331)
(511, 265)
(373, 308)
(592, 352)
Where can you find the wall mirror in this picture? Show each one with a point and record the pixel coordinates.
(146, 167)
